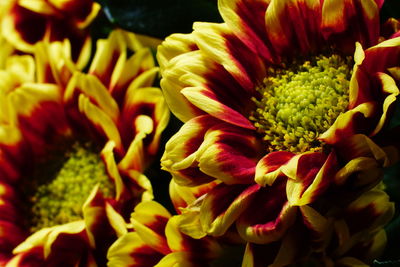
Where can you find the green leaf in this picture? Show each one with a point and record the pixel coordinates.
(159, 18)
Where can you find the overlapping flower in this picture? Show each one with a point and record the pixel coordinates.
(24, 23)
(73, 146)
(287, 108)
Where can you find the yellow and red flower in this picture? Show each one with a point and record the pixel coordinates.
(156, 240)
(62, 129)
(287, 105)
(24, 23)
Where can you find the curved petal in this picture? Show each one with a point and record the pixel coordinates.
(271, 224)
(204, 249)
(130, 250)
(346, 21)
(291, 23)
(149, 220)
(269, 167)
(247, 20)
(181, 151)
(314, 173)
(208, 101)
(183, 196)
(229, 154)
(223, 205)
(216, 42)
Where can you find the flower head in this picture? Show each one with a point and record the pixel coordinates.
(73, 146)
(287, 105)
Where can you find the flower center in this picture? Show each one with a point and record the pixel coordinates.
(62, 185)
(301, 102)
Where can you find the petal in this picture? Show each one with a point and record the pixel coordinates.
(172, 85)
(141, 102)
(207, 101)
(64, 244)
(93, 89)
(101, 122)
(293, 24)
(271, 224)
(223, 205)
(180, 258)
(344, 22)
(247, 20)
(173, 46)
(205, 248)
(268, 168)
(311, 178)
(109, 59)
(130, 250)
(183, 196)
(389, 86)
(229, 154)
(218, 43)
(98, 228)
(181, 151)
(352, 122)
(371, 211)
(149, 220)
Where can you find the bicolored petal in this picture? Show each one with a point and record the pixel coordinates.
(55, 62)
(207, 100)
(223, 205)
(41, 118)
(269, 167)
(370, 211)
(180, 258)
(130, 250)
(61, 244)
(149, 220)
(310, 175)
(173, 46)
(202, 249)
(247, 20)
(350, 123)
(183, 196)
(218, 43)
(345, 22)
(229, 154)
(319, 227)
(98, 226)
(181, 152)
(290, 24)
(271, 224)
(144, 112)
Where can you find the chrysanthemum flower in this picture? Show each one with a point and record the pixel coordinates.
(287, 104)
(73, 146)
(24, 23)
(156, 240)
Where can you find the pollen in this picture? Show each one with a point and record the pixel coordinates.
(60, 197)
(300, 102)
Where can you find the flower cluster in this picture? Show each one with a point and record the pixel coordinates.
(289, 122)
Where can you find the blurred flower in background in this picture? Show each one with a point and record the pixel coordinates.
(24, 23)
(287, 104)
(73, 147)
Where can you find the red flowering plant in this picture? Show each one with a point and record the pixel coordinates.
(286, 108)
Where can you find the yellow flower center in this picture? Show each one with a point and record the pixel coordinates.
(62, 185)
(301, 102)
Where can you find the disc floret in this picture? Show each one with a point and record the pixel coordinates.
(300, 102)
(59, 199)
